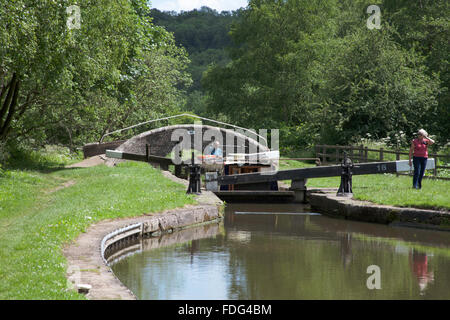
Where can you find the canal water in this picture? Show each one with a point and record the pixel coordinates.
(271, 251)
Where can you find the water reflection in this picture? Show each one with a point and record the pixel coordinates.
(346, 249)
(290, 257)
(419, 266)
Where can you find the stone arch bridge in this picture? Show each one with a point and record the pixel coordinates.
(161, 141)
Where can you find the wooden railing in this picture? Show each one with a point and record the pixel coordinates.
(334, 154)
(317, 160)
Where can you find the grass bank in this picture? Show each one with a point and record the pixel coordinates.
(43, 206)
(386, 189)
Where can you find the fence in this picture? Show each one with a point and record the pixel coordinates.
(335, 154)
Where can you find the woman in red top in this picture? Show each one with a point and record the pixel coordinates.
(419, 147)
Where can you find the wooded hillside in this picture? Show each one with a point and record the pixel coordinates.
(312, 69)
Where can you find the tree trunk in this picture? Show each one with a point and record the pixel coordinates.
(9, 106)
(5, 105)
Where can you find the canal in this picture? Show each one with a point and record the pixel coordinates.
(285, 251)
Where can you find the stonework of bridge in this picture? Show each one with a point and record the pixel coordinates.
(162, 141)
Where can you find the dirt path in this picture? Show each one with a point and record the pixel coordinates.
(86, 163)
(64, 185)
(89, 162)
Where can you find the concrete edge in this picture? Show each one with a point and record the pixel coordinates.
(328, 203)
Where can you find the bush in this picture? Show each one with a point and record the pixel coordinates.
(51, 156)
(4, 153)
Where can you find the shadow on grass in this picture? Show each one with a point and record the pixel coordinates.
(25, 160)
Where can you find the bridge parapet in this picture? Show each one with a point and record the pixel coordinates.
(162, 141)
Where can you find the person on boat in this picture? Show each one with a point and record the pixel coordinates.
(419, 153)
(216, 150)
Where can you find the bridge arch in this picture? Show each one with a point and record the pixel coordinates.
(162, 140)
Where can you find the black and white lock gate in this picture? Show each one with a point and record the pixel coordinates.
(299, 176)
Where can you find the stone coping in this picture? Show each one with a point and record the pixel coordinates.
(326, 201)
(86, 264)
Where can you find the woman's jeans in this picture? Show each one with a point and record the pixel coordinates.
(420, 163)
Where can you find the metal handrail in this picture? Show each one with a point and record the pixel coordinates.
(178, 116)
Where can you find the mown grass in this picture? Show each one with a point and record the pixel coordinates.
(386, 188)
(37, 219)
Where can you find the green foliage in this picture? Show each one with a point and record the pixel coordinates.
(279, 55)
(309, 68)
(424, 26)
(384, 90)
(77, 84)
(153, 94)
(204, 34)
(313, 70)
(46, 159)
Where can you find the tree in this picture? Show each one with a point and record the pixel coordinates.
(316, 72)
(59, 84)
(204, 35)
(278, 57)
(376, 87)
(424, 27)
